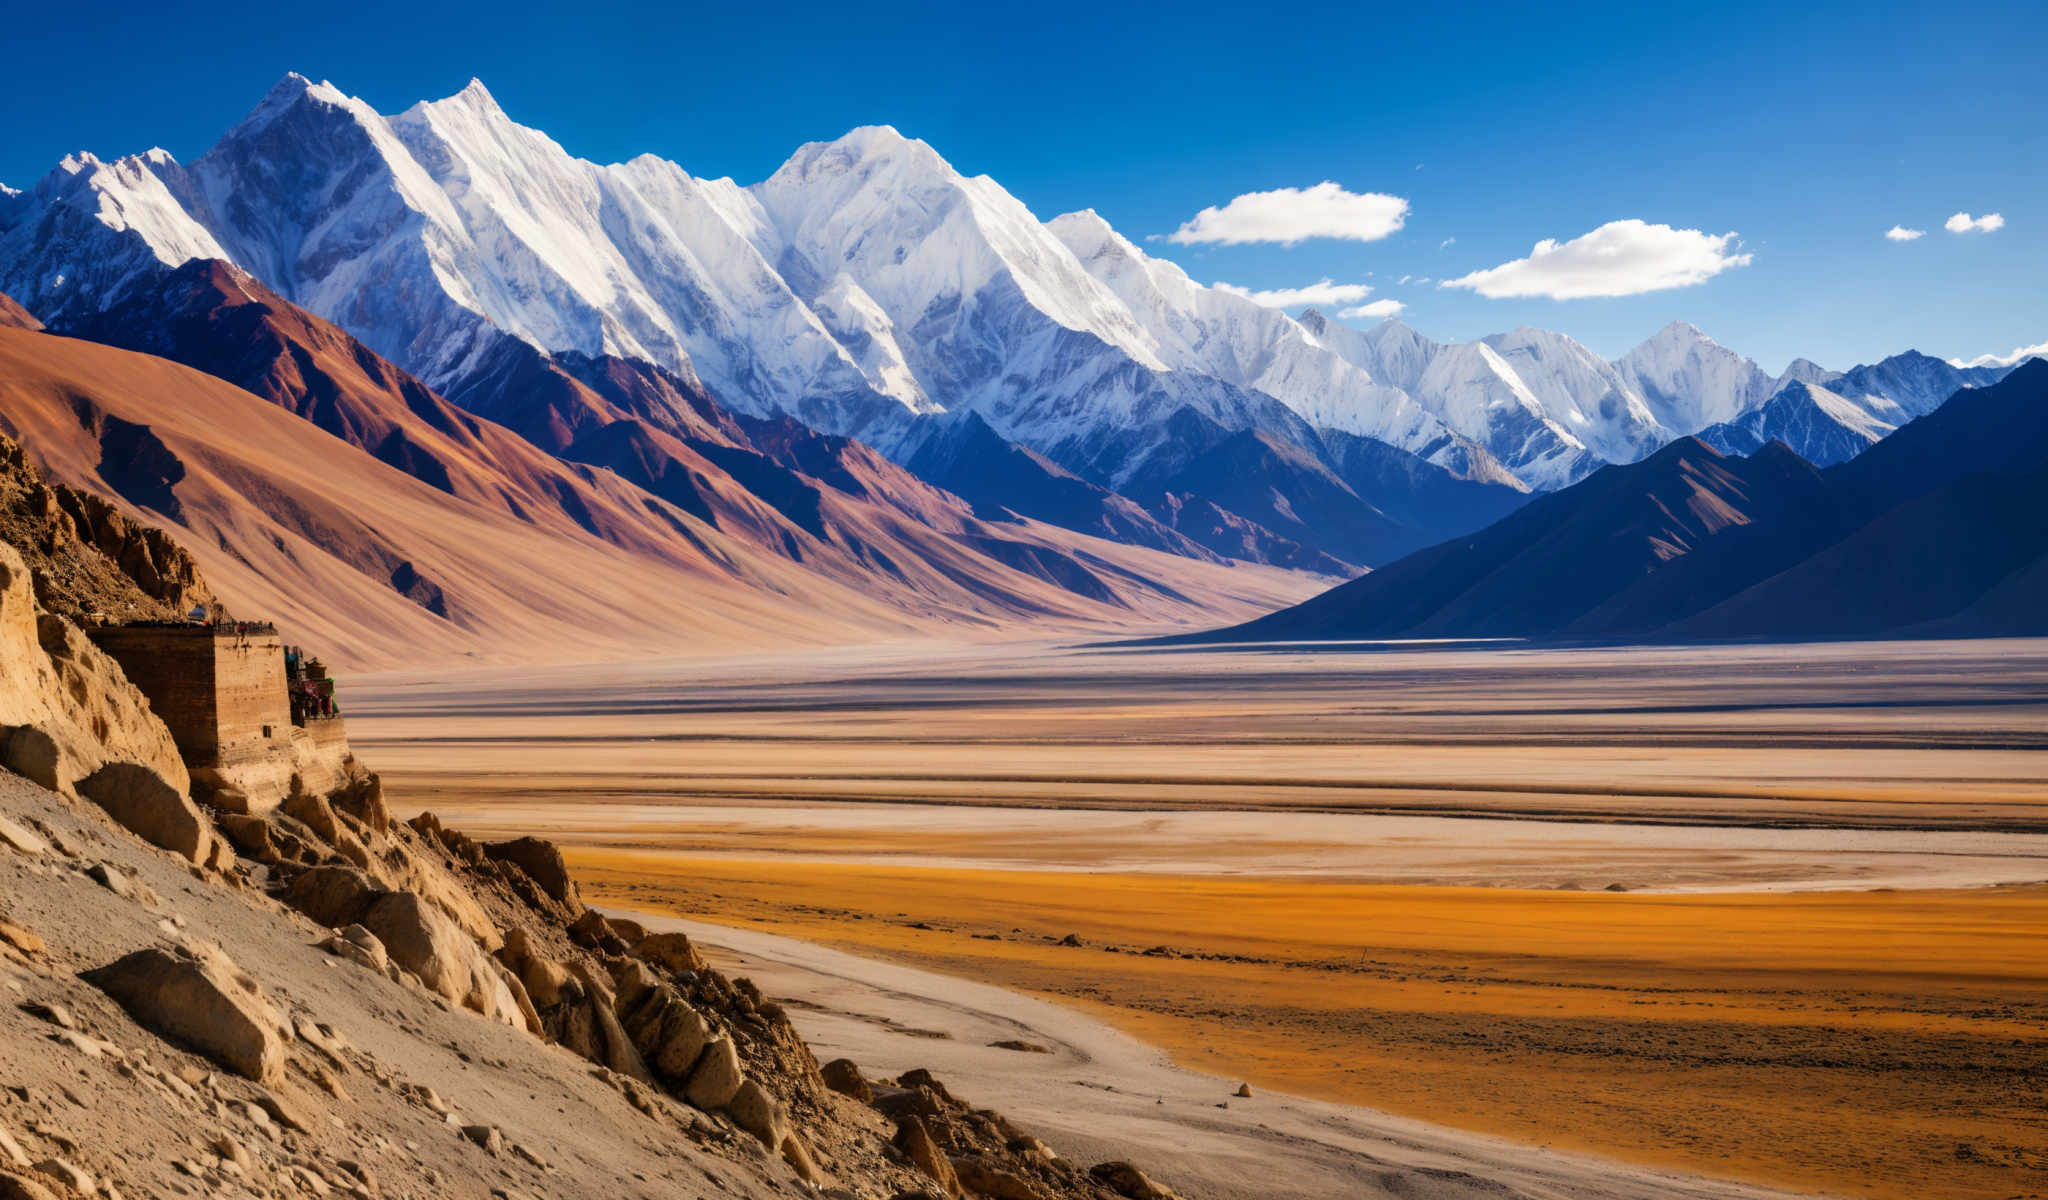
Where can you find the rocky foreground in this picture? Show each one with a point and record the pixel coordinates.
(321, 1000)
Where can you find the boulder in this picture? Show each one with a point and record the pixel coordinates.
(34, 754)
(359, 946)
(669, 1034)
(633, 982)
(69, 1176)
(682, 1038)
(201, 1001)
(844, 1077)
(798, 1156)
(290, 1108)
(753, 1109)
(139, 800)
(249, 835)
(546, 982)
(984, 1178)
(332, 895)
(528, 1015)
(590, 929)
(579, 1031)
(423, 941)
(318, 816)
(21, 841)
(916, 1144)
(1127, 1180)
(542, 861)
(717, 1076)
(619, 1052)
(670, 950)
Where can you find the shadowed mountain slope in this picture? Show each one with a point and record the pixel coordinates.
(1936, 529)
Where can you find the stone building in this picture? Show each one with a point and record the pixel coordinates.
(222, 690)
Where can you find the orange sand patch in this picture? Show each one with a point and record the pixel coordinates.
(1889, 1044)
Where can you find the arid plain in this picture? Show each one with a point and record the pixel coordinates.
(1764, 913)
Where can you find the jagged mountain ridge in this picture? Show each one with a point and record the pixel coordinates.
(862, 286)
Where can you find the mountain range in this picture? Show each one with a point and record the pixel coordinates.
(861, 289)
(868, 368)
(1935, 530)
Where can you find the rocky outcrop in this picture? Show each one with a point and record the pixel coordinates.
(89, 561)
(423, 941)
(542, 863)
(671, 951)
(79, 708)
(426, 926)
(202, 1001)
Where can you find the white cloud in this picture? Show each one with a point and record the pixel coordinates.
(1377, 309)
(1322, 291)
(1621, 258)
(1449, 241)
(1963, 222)
(1899, 233)
(1290, 216)
(2002, 360)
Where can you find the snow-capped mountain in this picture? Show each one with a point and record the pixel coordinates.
(862, 286)
(1198, 328)
(1822, 425)
(1689, 381)
(1515, 394)
(1583, 394)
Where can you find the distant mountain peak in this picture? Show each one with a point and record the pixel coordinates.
(867, 145)
(286, 92)
(1682, 329)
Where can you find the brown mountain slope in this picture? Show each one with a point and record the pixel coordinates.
(14, 316)
(218, 319)
(378, 567)
(765, 490)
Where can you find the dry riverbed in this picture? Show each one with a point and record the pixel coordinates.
(1377, 876)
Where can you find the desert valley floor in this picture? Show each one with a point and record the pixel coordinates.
(1767, 914)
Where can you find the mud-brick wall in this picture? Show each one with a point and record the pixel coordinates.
(175, 668)
(252, 714)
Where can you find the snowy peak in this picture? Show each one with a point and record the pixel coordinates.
(1805, 370)
(866, 282)
(1689, 381)
(919, 237)
(1582, 393)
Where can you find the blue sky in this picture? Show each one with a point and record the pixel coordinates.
(1807, 130)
